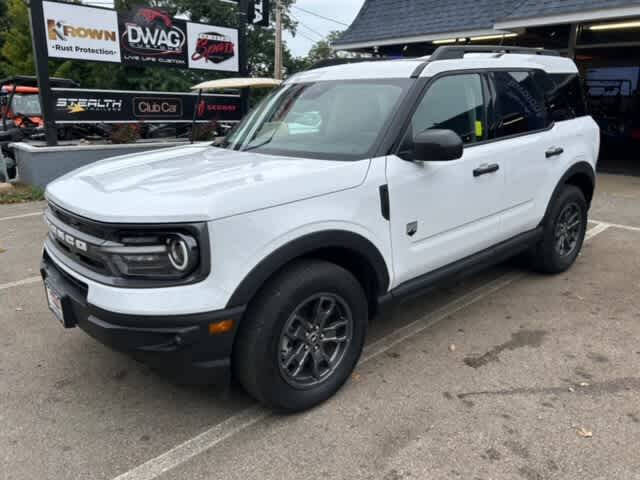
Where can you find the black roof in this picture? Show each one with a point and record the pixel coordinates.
(389, 19)
(381, 20)
(538, 8)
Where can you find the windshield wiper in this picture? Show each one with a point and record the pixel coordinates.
(253, 147)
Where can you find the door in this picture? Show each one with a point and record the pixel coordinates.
(444, 211)
(521, 126)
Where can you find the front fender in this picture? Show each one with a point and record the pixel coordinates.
(306, 245)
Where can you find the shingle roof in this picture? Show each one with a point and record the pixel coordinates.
(388, 19)
(539, 8)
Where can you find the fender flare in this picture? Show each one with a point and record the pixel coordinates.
(577, 168)
(306, 245)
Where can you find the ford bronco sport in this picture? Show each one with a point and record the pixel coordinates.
(346, 188)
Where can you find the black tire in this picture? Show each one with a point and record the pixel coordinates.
(262, 346)
(548, 257)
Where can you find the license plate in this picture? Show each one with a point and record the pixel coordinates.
(55, 304)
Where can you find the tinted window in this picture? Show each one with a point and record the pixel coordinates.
(520, 104)
(568, 95)
(454, 103)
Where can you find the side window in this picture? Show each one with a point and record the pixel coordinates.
(520, 104)
(569, 88)
(454, 103)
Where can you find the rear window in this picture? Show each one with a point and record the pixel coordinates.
(520, 104)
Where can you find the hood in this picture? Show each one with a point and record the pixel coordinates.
(196, 183)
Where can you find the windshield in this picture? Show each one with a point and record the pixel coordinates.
(337, 120)
(28, 105)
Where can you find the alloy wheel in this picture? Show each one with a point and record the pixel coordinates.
(568, 229)
(314, 340)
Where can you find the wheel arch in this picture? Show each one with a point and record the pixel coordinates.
(349, 250)
(581, 175)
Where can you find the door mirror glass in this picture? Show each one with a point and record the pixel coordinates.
(437, 145)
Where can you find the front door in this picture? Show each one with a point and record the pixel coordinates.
(445, 211)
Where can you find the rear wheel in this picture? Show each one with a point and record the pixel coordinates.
(302, 336)
(564, 232)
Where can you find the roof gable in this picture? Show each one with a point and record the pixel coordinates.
(388, 19)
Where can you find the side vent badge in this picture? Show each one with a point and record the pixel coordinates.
(412, 228)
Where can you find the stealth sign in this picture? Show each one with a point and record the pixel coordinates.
(114, 106)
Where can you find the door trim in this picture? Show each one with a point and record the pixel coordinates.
(468, 265)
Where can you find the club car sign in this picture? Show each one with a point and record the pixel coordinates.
(144, 36)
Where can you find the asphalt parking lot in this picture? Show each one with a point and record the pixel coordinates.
(509, 375)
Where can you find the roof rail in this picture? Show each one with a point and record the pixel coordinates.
(332, 62)
(456, 52)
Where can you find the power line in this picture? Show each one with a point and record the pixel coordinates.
(320, 16)
(307, 26)
(307, 38)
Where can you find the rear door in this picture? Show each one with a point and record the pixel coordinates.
(521, 137)
(444, 211)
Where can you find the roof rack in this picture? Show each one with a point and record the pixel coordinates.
(456, 52)
(332, 62)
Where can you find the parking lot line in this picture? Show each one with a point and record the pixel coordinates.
(26, 281)
(617, 225)
(598, 229)
(15, 217)
(203, 442)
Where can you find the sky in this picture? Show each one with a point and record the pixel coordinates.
(312, 29)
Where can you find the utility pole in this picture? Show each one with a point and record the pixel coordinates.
(278, 53)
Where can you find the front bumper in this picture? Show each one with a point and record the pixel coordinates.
(179, 346)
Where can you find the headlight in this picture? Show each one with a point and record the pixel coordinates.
(160, 256)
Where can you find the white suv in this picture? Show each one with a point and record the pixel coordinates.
(346, 188)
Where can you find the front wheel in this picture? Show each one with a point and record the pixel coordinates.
(302, 336)
(564, 232)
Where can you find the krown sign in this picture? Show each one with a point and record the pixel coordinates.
(81, 33)
(144, 36)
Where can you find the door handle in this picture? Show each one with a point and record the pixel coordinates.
(554, 152)
(486, 169)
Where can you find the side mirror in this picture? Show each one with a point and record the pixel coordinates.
(437, 146)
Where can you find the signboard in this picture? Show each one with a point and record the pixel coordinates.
(148, 37)
(144, 36)
(212, 48)
(81, 33)
(114, 106)
(258, 11)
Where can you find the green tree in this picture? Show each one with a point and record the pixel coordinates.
(16, 40)
(322, 50)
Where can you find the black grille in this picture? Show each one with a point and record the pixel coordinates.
(79, 223)
(76, 226)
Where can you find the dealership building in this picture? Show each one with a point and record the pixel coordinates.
(603, 36)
